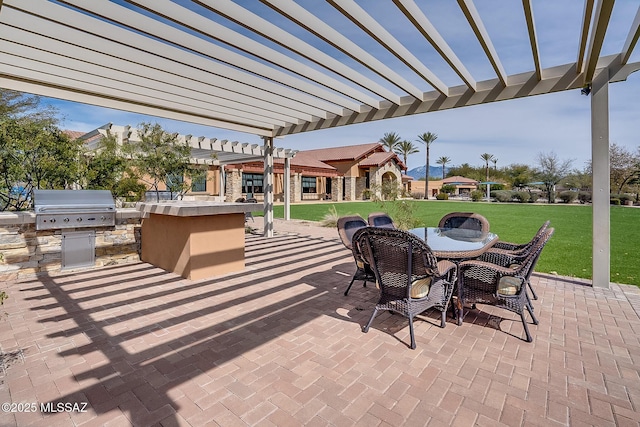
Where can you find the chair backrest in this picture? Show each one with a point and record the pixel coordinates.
(539, 235)
(468, 220)
(380, 219)
(347, 226)
(398, 258)
(531, 258)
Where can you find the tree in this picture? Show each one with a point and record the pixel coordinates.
(519, 175)
(390, 140)
(34, 152)
(495, 164)
(161, 158)
(624, 165)
(105, 165)
(404, 149)
(443, 161)
(427, 139)
(551, 170)
(487, 158)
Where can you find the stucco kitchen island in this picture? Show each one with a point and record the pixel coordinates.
(195, 239)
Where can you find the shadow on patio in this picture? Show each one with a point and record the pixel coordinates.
(278, 344)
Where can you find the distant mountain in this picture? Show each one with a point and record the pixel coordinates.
(434, 171)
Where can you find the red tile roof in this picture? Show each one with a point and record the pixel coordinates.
(305, 159)
(458, 178)
(380, 158)
(349, 152)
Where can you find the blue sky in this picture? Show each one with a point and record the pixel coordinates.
(513, 131)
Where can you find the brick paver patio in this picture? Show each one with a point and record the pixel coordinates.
(279, 345)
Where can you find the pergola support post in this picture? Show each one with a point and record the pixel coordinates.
(268, 187)
(601, 184)
(287, 188)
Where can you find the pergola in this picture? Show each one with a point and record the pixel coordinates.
(279, 67)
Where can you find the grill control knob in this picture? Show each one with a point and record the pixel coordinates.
(52, 220)
(66, 220)
(102, 218)
(79, 219)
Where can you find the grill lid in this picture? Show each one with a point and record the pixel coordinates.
(72, 200)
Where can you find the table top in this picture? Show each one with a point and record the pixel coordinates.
(455, 243)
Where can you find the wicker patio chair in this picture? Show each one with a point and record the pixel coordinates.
(380, 219)
(518, 249)
(469, 220)
(500, 279)
(347, 226)
(410, 278)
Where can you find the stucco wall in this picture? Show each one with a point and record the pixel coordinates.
(27, 252)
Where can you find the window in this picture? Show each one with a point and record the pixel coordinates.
(252, 183)
(174, 182)
(199, 182)
(309, 184)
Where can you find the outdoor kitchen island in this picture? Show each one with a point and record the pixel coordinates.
(195, 239)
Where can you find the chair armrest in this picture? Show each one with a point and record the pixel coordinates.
(494, 268)
(508, 246)
(500, 257)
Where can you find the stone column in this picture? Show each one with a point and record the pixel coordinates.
(336, 188)
(296, 188)
(234, 185)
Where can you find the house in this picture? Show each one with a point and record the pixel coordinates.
(339, 173)
(464, 186)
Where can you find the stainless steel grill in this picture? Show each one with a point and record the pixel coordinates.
(63, 209)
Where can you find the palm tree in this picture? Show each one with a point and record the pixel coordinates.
(495, 164)
(443, 161)
(427, 138)
(487, 158)
(404, 148)
(390, 140)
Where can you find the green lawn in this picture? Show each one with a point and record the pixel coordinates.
(568, 252)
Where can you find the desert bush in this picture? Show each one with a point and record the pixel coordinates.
(502, 195)
(330, 219)
(614, 201)
(522, 196)
(568, 196)
(625, 198)
(442, 196)
(448, 188)
(584, 197)
(418, 196)
(477, 195)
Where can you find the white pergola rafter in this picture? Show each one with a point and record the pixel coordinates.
(473, 17)
(304, 18)
(533, 38)
(274, 68)
(369, 25)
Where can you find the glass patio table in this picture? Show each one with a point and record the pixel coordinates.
(456, 245)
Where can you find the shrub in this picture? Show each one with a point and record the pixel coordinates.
(418, 196)
(584, 197)
(568, 196)
(330, 219)
(477, 195)
(522, 196)
(625, 198)
(502, 195)
(615, 201)
(448, 188)
(442, 196)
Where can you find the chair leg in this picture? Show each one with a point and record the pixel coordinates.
(526, 328)
(365, 329)
(533, 316)
(413, 338)
(533, 293)
(350, 284)
(443, 320)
